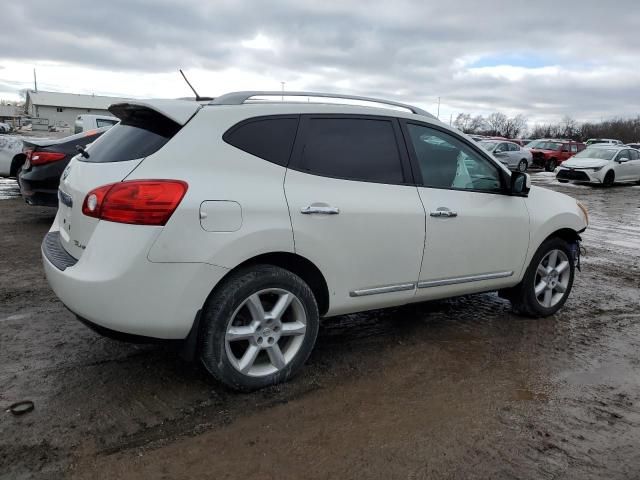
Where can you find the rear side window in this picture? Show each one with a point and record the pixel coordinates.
(268, 138)
(352, 148)
(140, 133)
(100, 122)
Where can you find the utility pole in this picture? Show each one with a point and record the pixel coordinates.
(451, 119)
(282, 84)
(438, 109)
(35, 81)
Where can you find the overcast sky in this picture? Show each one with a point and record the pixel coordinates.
(540, 58)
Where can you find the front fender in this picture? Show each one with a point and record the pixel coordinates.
(551, 212)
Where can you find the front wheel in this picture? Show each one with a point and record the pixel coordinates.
(522, 166)
(551, 165)
(547, 282)
(259, 328)
(609, 179)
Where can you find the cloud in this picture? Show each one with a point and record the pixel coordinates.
(543, 59)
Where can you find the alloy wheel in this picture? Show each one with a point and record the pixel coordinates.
(552, 278)
(265, 332)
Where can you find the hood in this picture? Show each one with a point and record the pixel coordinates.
(180, 111)
(584, 162)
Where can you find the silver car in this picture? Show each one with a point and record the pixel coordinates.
(510, 154)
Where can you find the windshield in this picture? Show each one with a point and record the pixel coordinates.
(488, 146)
(533, 143)
(600, 153)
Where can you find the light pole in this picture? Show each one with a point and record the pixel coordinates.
(282, 84)
(438, 109)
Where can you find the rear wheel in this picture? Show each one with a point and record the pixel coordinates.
(547, 282)
(259, 328)
(522, 166)
(551, 165)
(609, 179)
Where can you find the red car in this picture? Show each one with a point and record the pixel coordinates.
(551, 153)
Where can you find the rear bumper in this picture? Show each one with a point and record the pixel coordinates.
(116, 288)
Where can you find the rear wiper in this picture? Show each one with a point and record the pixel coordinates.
(82, 151)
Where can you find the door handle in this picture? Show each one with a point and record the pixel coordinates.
(443, 213)
(320, 209)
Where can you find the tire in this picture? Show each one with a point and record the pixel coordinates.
(523, 165)
(523, 297)
(16, 165)
(609, 179)
(243, 306)
(551, 165)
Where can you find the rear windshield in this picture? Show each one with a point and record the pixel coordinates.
(139, 134)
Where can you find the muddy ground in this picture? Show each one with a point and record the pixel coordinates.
(452, 389)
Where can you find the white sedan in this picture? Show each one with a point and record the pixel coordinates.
(10, 155)
(604, 164)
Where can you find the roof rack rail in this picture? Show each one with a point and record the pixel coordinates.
(238, 98)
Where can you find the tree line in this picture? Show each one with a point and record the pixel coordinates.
(500, 125)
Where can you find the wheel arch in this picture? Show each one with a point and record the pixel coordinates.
(16, 162)
(297, 264)
(567, 234)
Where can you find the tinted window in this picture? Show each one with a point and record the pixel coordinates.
(503, 147)
(446, 162)
(270, 138)
(633, 154)
(352, 148)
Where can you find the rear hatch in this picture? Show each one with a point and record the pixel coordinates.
(145, 127)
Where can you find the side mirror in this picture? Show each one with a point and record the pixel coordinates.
(623, 159)
(520, 184)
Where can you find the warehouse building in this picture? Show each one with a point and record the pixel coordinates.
(57, 109)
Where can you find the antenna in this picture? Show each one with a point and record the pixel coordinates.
(198, 97)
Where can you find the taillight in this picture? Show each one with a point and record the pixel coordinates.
(40, 158)
(139, 202)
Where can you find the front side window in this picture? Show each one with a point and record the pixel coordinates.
(351, 148)
(633, 154)
(450, 163)
(623, 154)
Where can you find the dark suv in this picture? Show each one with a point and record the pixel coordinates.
(551, 153)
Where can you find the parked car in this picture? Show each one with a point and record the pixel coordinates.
(84, 123)
(635, 145)
(604, 164)
(611, 141)
(511, 155)
(11, 156)
(5, 127)
(45, 161)
(180, 224)
(551, 153)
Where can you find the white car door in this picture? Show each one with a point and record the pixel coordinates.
(355, 211)
(634, 165)
(477, 236)
(623, 166)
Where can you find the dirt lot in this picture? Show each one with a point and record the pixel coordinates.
(451, 389)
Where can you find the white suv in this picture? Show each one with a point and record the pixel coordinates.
(235, 225)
